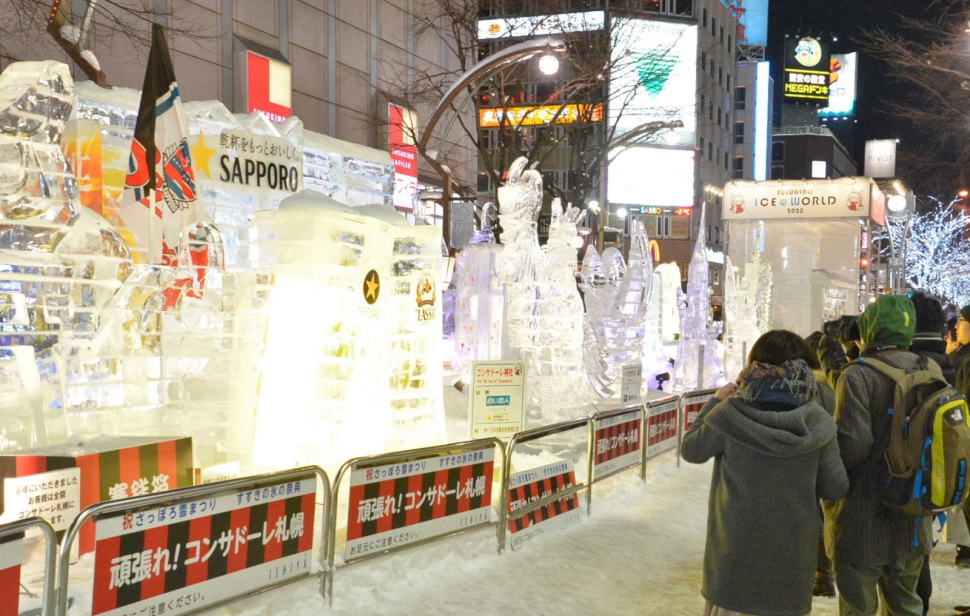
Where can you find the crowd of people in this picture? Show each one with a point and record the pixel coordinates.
(799, 444)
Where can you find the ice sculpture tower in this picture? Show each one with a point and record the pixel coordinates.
(698, 363)
(543, 307)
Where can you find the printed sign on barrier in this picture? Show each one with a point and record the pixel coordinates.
(617, 443)
(10, 558)
(532, 485)
(693, 403)
(179, 558)
(661, 427)
(396, 504)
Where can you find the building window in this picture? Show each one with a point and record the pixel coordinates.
(703, 144)
(739, 132)
(710, 151)
(713, 26)
(710, 111)
(727, 161)
(728, 84)
(777, 173)
(722, 35)
(705, 18)
(718, 116)
(740, 97)
(730, 43)
(738, 166)
(703, 61)
(703, 102)
(778, 152)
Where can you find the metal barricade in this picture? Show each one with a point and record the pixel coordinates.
(402, 494)
(691, 403)
(20, 527)
(617, 444)
(660, 427)
(285, 491)
(532, 435)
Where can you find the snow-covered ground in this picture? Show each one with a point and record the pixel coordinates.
(640, 553)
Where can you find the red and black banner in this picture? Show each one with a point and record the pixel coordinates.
(392, 504)
(617, 440)
(527, 493)
(661, 427)
(692, 407)
(137, 566)
(116, 473)
(10, 559)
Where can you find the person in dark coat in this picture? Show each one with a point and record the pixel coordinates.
(775, 455)
(878, 551)
(824, 577)
(961, 381)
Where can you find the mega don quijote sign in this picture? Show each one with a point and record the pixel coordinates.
(842, 198)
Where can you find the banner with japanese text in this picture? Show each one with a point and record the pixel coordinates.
(617, 443)
(179, 558)
(10, 559)
(693, 402)
(661, 426)
(529, 486)
(396, 504)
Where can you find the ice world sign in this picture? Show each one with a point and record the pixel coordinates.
(842, 198)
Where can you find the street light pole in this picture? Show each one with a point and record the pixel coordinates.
(509, 55)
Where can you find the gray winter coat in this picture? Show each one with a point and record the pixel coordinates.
(770, 469)
(860, 529)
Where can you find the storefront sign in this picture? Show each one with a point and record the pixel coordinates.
(530, 486)
(10, 559)
(250, 160)
(692, 404)
(540, 25)
(54, 496)
(397, 504)
(401, 135)
(880, 158)
(180, 558)
(661, 426)
(270, 88)
(807, 69)
(492, 117)
(842, 198)
(617, 442)
(497, 400)
(752, 16)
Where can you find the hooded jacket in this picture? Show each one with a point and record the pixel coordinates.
(770, 469)
(860, 528)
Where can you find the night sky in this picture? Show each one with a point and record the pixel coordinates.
(846, 20)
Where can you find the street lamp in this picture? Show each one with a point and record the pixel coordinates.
(545, 46)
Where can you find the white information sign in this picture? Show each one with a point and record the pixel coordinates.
(497, 400)
(631, 384)
(55, 496)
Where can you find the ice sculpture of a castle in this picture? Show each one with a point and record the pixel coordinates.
(698, 364)
(543, 309)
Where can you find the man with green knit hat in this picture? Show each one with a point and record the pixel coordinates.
(877, 550)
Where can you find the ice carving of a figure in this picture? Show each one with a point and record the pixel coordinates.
(747, 309)
(698, 363)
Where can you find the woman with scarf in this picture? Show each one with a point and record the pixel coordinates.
(775, 454)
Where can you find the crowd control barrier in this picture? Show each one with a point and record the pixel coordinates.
(409, 498)
(11, 548)
(691, 403)
(560, 483)
(192, 549)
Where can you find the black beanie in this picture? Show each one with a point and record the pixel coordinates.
(965, 312)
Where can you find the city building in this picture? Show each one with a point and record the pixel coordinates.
(809, 152)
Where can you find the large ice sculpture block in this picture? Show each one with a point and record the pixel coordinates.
(35, 100)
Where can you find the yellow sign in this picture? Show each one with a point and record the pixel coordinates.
(544, 114)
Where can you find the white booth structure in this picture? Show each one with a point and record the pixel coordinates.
(815, 235)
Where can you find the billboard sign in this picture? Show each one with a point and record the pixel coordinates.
(401, 134)
(880, 158)
(752, 16)
(646, 176)
(654, 78)
(842, 86)
(492, 117)
(541, 25)
(842, 198)
(807, 69)
(269, 87)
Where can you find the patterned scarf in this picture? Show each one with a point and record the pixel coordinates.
(790, 383)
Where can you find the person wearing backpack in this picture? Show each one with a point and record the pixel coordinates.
(878, 551)
(775, 455)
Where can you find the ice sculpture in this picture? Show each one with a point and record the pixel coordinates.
(543, 307)
(353, 351)
(747, 310)
(698, 364)
(480, 299)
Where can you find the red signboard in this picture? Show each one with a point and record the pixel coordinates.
(693, 403)
(270, 89)
(10, 558)
(396, 504)
(178, 558)
(614, 440)
(548, 481)
(661, 427)
(401, 143)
